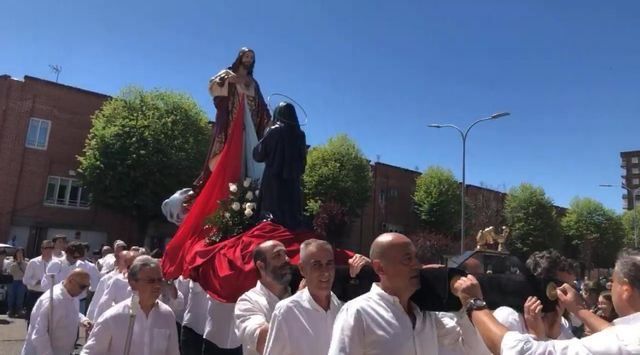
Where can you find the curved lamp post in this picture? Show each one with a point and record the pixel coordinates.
(463, 135)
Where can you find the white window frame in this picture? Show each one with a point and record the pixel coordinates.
(65, 203)
(46, 139)
(635, 181)
(635, 170)
(634, 160)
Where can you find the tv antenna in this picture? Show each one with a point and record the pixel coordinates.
(56, 69)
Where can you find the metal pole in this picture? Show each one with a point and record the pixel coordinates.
(464, 156)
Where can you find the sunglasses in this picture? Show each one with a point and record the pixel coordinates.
(82, 286)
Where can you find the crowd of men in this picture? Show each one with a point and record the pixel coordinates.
(127, 307)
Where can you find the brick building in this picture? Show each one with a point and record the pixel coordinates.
(391, 207)
(630, 164)
(43, 127)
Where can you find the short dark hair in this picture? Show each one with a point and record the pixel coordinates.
(628, 266)
(75, 246)
(544, 264)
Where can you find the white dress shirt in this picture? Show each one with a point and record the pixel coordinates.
(61, 269)
(97, 296)
(300, 326)
(176, 304)
(35, 271)
(195, 316)
(155, 334)
(182, 285)
(375, 323)
(116, 291)
(622, 338)
(253, 310)
(220, 327)
(94, 274)
(59, 337)
(514, 321)
(107, 263)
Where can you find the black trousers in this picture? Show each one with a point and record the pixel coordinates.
(209, 348)
(190, 342)
(30, 302)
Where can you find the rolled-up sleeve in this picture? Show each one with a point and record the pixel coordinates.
(249, 319)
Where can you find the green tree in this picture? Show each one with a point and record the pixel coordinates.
(531, 217)
(143, 146)
(592, 232)
(437, 200)
(630, 228)
(337, 172)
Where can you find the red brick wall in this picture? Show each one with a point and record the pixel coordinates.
(24, 171)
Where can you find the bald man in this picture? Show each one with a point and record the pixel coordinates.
(54, 325)
(385, 321)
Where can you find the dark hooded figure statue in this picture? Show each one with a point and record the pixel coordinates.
(283, 149)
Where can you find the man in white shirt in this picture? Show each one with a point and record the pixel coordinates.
(104, 251)
(61, 268)
(59, 246)
(547, 265)
(143, 323)
(104, 283)
(302, 323)
(195, 319)
(33, 274)
(254, 308)
(116, 290)
(220, 337)
(620, 337)
(384, 321)
(54, 326)
(108, 262)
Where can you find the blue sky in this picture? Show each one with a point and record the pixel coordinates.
(380, 71)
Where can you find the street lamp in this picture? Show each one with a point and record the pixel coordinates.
(635, 222)
(463, 135)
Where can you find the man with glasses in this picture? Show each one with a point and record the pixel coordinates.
(33, 274)
(142, 323)
(54, 325)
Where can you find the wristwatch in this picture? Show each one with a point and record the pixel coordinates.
(476, 304)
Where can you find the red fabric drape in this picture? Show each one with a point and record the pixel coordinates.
(226, 271)
(190, 233)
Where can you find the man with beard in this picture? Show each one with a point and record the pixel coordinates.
(254, 308)
(231, 88)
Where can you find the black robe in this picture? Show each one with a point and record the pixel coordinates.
(283, 149)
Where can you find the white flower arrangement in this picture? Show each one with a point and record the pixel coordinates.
(235, 214)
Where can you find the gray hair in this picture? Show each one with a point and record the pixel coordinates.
(309, 244)
(140, 263)
(628, 266)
